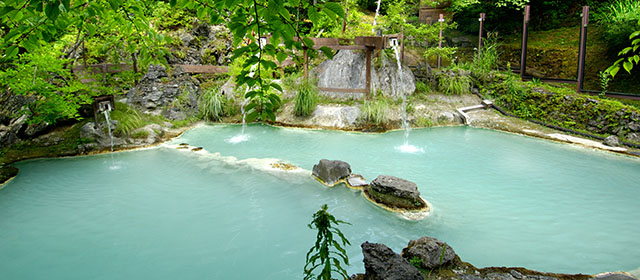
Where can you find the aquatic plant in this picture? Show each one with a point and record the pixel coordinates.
(326, 253)
(305, 100)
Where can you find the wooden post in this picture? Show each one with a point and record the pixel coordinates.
(583, 47)
(481, 19)
(344, 20)
(525, 38)
(306, 64)
(441, 20)
(367, 86)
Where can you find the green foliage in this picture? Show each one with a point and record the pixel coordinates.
(424, 122)
(417, 262)
(327, 253)
(130, 119)
(214, 105)
(42, 75)
(629, 56)
(446, 53)
(422, 87)
(374, 112)
(604, 82)
(170, 18)
(248, 20)
(454, 84)
(486, 60)
(619, 19)
(305, 100)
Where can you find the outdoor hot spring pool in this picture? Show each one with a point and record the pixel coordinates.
(160, 213)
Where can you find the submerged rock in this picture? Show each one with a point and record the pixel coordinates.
(356, 181)
(614, 276)
(429, 251)
(381, 263)
(395, 192)
(331, 171)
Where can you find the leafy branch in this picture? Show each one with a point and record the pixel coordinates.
(327, 253)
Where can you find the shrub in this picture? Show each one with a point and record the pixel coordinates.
(374, 112)
(619, 18)
(305, 100)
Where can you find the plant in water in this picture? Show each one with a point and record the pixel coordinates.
(374, 112)
(327, 253)
(305, 100)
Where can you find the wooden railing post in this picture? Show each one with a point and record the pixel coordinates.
(481, 19)
(368, 74)
(583, 47)
(441, 20)
(525, 37)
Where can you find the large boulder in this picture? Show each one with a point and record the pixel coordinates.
(395, 192)
(347, 70)
(612, 141)
(331, 171)
(381, 263)
(429, 251)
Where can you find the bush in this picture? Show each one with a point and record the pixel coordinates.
(620, 19)
(305, 100)
(374, 112)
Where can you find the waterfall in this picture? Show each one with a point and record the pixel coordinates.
(396, 87)
(106, 117)
(376, 17)
(243, 137)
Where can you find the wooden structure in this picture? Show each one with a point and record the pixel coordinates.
(430, 15)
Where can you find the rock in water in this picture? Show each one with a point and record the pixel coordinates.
(331, 171)
(429, 251)
(612, 141)
(395, 192)
(381, 263)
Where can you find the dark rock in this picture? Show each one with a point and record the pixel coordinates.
(470, 277)
(381, 263)
(429, 251)
(635, 126)
(499, 276)
(612, 141)
(202, 30)
(395, 192)
(331, 171)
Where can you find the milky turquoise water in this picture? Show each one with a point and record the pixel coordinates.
(498, 199)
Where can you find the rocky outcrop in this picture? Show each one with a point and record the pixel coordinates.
(205, 44)
(331, 172)
(431, 252)
(381, 263)
(347, 70)
(174, 96)
(612, 141)
(395, 192)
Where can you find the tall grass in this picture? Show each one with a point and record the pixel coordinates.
(619, 18)
(454, 84)
(374, 112)
(305, 100)
(211, 104)
(486, 60)
(129, 119)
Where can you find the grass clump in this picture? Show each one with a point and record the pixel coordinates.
(305, 100)
(452, 83)
(374, 112)
(130, 119)
(214, 105)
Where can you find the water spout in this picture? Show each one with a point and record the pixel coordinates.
(105, 107)
(397, 87)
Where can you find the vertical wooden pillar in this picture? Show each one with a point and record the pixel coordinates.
(441, 20)
(481, 19)
(525, 38)
(402, 46)
(344, 20)
(367, 86)
(583, 47)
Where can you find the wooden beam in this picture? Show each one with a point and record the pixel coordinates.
(343, 90)
(203, 69)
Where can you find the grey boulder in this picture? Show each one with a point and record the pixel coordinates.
(395, 192)
(429, 251)
(331, 171)
(381, 263)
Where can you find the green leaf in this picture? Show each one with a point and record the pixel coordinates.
(613, 70)
(11, 51)
(636, 58)
(634, 34)
(51, 11)
(327, 51)
(281, 56)
(624, 51)
(627, 66)
(307, 42)
(335, 8)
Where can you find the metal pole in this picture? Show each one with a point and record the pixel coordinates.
(525, 37)
(441, 20)
(482, 18)
(583, 47)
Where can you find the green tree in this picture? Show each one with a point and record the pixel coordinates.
(327, 253)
